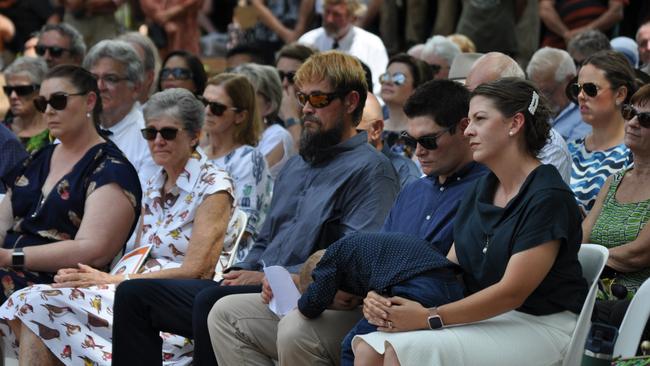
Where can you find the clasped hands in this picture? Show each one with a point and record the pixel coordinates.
(394, 314)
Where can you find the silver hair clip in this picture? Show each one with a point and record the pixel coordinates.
(533, 103)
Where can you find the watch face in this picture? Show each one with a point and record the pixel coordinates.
(435, 322)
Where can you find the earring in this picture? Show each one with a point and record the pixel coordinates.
(511, 133)
(88, 114)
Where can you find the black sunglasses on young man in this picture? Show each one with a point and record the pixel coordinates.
(21, 90)
(630, 112)
(58, 101)
(178, 73)
(216, 108)
(318, 99)
(429, 142)
(55, 51)
(167, 133)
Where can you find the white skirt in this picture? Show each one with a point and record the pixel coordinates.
(513, 338)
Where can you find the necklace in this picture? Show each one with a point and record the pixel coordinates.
(487, 244)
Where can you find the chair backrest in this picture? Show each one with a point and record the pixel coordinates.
(234, 234)
(629, 334)
(592, 258)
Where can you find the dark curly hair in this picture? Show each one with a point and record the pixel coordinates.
(513, 95)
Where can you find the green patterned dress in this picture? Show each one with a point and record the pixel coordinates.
(621, 223)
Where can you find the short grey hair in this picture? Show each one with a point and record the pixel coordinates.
(552, 59)
(266, 81)
(119, 51)
(588, 43)
(151, 56)
(179, 104)
(504, 66)
(77, 44)
(441, 47)
(34, 67)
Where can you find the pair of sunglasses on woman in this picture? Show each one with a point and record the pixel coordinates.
(630, 112)
(21, 90)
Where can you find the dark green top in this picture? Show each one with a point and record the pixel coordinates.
(486, 236)
(621, 223)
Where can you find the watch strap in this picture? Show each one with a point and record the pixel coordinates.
(18, 258)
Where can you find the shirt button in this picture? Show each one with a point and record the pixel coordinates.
(428, 217)
(442, 189)
(457, 178)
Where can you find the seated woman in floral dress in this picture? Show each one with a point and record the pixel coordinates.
(186, 210)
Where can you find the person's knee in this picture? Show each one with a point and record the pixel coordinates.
(293, 332)
(218, 313)
(364, 354)
(130, 292)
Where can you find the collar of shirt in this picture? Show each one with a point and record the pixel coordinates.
(349, 144)
(133, 117)
(185, 181)
(567, 110)
(466, 171)
(345, 43)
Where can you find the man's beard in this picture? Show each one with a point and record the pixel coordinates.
(315, 145)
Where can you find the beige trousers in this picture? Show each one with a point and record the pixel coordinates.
(244, 331)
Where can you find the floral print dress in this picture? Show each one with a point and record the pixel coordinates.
(253, 189)
(76, 323)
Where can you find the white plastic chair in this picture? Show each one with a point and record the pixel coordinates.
(592, 258)
(629, 334)
(234, 234)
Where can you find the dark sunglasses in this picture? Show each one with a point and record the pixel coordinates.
(289, 75)
(58, 101)
(318, 99)
(178, 73)
(629, 112)
(167, 133)
(397, 78)
(428, 142)
(590, 89)
(21, 90)
(55, 51)
(216, 108)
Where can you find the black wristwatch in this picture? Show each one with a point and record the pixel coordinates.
(435, 322)
(18, 259)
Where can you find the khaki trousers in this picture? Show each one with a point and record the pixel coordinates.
(244, 331)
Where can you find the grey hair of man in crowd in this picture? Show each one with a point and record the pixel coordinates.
(266, 81)
(442, 47)
(493, 66)
(152, 61)
(178, 104)
(119, 51)
(587, 43)
(34, 67)
(77, 44)
(548, 58)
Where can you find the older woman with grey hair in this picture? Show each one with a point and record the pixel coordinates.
(276, 144)
(439, 52)
(23, 79)
(186, 210)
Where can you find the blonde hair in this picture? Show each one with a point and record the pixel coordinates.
(242, 93)
(354, 6)
(463, 42)
(343, 72)
(305, 278)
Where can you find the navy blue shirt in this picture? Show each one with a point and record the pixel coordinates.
(426, 208)
(315, 205)
(11, 154)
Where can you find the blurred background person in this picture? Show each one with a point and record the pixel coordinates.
(23, 80)
(439, 52)
(605, 83)
(552, 70)
(182, 69)
(60, 44)
(148, 54)
(276, 143)
(233, 126)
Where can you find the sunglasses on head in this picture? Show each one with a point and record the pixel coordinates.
(216, 108)
(58, 101)
(21, 90)
(289, 75)
(630, 112)
(590, 89)
(55, 51)
(397, 78)
(429, 142)
(167, 133)
(178, 73)
(318, 99)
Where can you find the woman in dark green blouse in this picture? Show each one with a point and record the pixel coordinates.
(517, 235)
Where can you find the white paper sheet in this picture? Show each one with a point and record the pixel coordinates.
(285, 294)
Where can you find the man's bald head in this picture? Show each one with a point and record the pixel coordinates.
(372, 120)
(492, 66)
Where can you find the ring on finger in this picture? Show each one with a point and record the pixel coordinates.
(390, 324)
